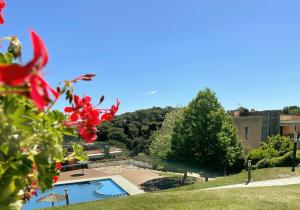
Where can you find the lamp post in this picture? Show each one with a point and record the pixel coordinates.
(294, 151)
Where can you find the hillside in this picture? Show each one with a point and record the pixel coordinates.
(133, 129)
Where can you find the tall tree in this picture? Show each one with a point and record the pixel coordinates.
(161, 139)
(206, 135)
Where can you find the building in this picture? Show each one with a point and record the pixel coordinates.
(289, 124)
(255, 127)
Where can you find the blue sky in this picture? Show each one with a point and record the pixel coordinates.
(162, 52)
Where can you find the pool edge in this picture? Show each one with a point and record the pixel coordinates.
(126, 185)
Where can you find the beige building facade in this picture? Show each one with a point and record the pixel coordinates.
(255, 127)
(249, 130)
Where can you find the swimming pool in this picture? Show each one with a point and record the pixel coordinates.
(79, 192)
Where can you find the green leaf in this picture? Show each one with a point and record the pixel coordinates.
(8, 58)
(2, 59)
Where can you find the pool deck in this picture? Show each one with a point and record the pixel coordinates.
(135, 175)
(129, 187)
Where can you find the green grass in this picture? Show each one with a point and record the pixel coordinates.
(192, 197)
(257, 175)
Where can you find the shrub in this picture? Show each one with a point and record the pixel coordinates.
(282, 161)
(160, 168)
(275, 152)
(281, 144)
(256, 155)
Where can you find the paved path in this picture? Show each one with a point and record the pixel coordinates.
(273, 182)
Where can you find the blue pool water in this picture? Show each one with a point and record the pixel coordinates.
(78, 192)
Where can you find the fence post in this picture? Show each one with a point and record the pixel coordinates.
(249, 171)
(294, 151)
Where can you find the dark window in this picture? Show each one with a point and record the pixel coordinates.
(246, 133)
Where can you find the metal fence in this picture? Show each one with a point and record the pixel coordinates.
(142, 164)
(110, 163)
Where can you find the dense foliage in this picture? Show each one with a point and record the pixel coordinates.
(161, 139)
(293, 110)
(277, 151)
(133, 129)
(206, 136)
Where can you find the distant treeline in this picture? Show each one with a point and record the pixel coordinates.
(293, 110)
(133, 129)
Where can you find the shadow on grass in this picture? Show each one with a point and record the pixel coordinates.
(75, 175)
(165, 183)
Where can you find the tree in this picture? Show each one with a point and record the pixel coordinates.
(139, 145)
(117, 134)
(161, 140)
(137, 126)
(294, 110)
(206, 135)
(131, 131)
(103, 131)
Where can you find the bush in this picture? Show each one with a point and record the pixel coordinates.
(281, 144)
(282, 161)
(160, 168)
(256, 155)
(275, 152)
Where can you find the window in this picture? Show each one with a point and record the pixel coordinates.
(246, 133)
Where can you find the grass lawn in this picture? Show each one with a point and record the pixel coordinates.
(191, 197)
(257, 175)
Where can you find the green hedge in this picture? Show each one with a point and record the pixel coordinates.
(256, 155)
(275, 152)
(282, 161)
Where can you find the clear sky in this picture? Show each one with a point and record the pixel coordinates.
(162, 52)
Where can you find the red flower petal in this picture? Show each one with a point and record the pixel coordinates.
(2, 6)
(35, 95)
(55, 179)
(40, 55)
(14, 74)
(68, 109)
(58, 166)
(74, 117)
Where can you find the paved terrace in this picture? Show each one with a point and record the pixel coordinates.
(131, 173)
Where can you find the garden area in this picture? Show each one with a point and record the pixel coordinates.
(193, 196)
(64, 145)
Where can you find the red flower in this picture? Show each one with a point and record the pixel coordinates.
(2, 6)
(55, 179)
(58, 166)
(107, 116)
(88, 134)
(86, 118)
(31, 75)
